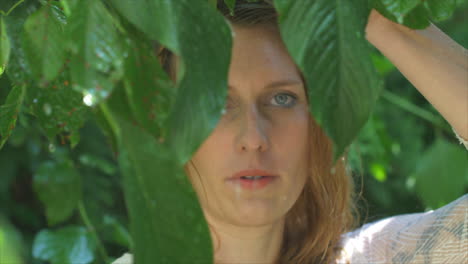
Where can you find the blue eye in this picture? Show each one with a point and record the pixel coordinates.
(285, 99)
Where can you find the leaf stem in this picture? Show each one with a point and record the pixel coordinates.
(11, 8)
(110, 119)
(414, 109)
(90, 227)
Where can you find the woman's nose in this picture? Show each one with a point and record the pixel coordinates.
(252, 135)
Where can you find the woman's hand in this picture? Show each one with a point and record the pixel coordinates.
(435, 64)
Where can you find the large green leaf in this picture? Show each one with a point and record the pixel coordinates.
(58, 186)
(441, 174)
(326, 40)
(156, 188)
(440, 10)
(59, 109)
(97, 49)
(149, 92)
(184, 26)
(69, 245)
(9, 112)
(400, 8)
(19, 71)
(4, 46)
(44, 42)
(415, 14)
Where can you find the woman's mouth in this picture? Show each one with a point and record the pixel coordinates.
(253, 182)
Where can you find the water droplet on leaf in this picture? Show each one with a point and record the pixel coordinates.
(51, 147)
(47, 109)
(88, 99)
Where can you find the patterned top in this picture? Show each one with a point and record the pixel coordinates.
(437, 236)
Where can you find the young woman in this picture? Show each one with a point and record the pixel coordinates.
(304, 211)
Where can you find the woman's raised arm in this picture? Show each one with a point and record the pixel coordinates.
(435, 64)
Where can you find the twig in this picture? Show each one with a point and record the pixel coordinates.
(414, 109)
(89, 225)
(11, 8)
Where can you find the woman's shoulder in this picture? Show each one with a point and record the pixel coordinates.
(435, 236)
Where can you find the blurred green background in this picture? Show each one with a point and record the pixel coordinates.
(406, 159)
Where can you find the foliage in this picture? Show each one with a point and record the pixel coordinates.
(90, 115)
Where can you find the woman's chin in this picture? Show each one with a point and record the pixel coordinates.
(256, 217)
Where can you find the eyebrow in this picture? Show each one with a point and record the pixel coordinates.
(276, 84)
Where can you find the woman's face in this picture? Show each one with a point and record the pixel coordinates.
(265, 127)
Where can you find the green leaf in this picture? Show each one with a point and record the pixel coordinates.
(415, 13)
(11, 246)
(69, 245)
(59, 109)
(383, 65)
(4, 46)
(440, 10)
(378, 171)
(326, 40)
(116, 232)
(441, 175)
(19, 71)
(44, 42)
(157, 188)
(149, 92)
(96, 162)
(417, 18)
(97, 49)
(230, 4)
(58, 186)
(184, 26)
(399, 8)
(9, 112)
(214, 3)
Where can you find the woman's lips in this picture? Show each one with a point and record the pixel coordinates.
(252, 172)
(253, 184)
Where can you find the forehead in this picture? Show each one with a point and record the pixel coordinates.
(260, 57)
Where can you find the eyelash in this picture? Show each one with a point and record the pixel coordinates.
(293, 96)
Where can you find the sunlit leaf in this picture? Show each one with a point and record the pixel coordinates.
(4, 46)
(97, 50)
(326, 40)
(378, 172)
(44, 42)
(18, 69)
(69, 245)
(9, 112)
(400, 8)
(58, 186)
(383, 65)
(183, 26)
(415, 13)
(440, 10)
(11, 246)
